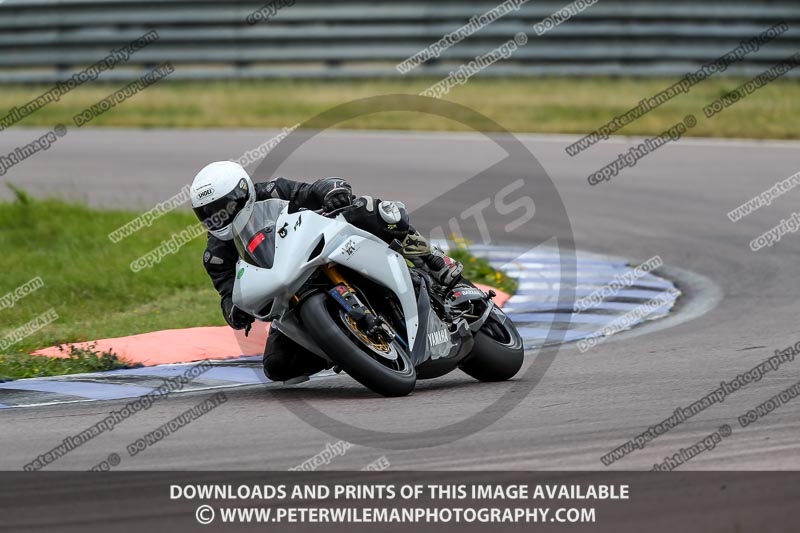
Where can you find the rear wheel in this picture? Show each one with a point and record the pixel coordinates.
(498, 352)
(383, 367)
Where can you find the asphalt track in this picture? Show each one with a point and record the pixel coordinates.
(739, 307)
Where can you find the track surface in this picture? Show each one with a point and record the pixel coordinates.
(673, 203)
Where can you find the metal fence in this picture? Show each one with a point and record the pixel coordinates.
(46, 40)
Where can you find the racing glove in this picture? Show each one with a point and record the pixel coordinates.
(235, 317)
(337, 199)
(333, 193)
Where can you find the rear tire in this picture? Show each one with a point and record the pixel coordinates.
(323, 324)
(498, 352)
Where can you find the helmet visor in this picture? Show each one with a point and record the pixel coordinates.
(219, 213)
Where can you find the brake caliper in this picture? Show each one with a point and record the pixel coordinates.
(364, 318)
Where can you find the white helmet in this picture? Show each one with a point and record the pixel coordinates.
(220, 192)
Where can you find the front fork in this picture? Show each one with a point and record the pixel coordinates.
(366, 320)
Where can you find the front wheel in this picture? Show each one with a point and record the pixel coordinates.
(382, 367)
(498, 352)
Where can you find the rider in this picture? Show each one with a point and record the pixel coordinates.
(222, 189)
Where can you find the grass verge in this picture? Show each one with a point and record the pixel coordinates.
(19, 366)
(88, 281)
(546, 105)
(478, 269)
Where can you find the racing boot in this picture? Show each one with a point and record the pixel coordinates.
(442, 267)
(431, 259)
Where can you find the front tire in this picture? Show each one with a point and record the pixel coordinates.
(498, 352)
(325, 325)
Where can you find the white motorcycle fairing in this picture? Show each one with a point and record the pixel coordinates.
(266, 292)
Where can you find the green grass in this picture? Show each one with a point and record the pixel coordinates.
(20, 366)
(88, 280)
(478, 269)
(550, 105)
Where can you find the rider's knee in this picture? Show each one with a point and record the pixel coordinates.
(279, 366)
(284, 359)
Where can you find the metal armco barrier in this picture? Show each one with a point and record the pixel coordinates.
(48, 40)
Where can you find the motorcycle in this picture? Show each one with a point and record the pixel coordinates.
(353, 300)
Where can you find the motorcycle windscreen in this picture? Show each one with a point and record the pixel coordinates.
(255, 240)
